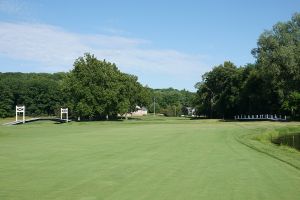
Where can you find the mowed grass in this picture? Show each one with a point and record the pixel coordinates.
(155, 158)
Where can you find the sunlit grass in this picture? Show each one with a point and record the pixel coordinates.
(152, 157)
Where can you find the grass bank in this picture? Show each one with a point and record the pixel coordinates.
(261, 140)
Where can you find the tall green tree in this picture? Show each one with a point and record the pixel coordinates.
(97, 89)
(278, 60)
(219, 91)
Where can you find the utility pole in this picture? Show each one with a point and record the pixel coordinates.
(154, 105)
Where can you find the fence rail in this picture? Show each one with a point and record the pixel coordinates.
(260, 117)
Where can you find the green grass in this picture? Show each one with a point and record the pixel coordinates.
(150, 158)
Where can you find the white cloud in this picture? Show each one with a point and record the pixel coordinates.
(46, 44)
(56, 49)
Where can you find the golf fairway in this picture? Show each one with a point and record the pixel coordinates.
(168, 159)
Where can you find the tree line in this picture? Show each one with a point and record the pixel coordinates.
(269, 86)
(40, 92)
(93, 89)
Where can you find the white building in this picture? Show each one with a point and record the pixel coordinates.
(191, 111)
(140, 111)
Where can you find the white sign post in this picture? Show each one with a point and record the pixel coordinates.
(20, 109)
(64, 111)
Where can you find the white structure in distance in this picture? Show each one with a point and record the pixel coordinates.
(139, 111)
(20, 109)
(64, 111)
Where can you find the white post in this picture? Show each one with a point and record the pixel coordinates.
(24, 115)
(64, 111)
(20, 109)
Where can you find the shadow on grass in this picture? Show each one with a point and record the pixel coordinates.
(228, 120)
(110, 120)
(197, 118)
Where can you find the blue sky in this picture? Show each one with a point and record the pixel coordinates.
(164, 43)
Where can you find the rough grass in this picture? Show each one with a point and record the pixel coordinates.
(148, 158)
(261, 141)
